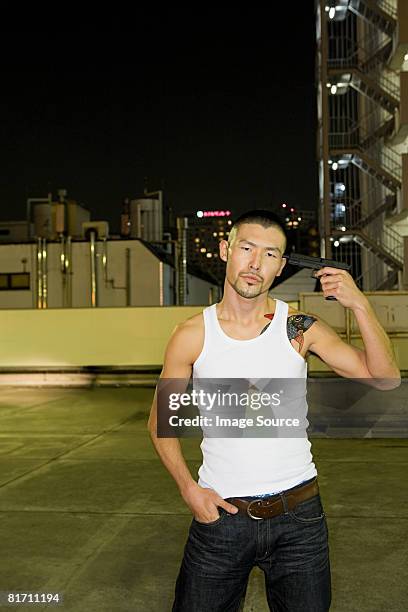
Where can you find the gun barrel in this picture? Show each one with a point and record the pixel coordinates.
(306, 261)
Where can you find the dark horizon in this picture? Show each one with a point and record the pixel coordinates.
(215, 123)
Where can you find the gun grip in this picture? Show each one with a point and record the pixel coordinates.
(330, 297)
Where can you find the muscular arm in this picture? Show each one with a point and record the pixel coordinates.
(179, 357)
(352, 362)
(177, 364)
(375, 365)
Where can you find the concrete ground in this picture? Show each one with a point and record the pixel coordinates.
(88, 511)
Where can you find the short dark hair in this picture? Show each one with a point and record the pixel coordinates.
(265, 218)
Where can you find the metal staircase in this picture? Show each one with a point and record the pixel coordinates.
(388, 282)
(384, 94)
(378, 58)
(388, 204)
(382, 132)
(353, 217)
(384, 174)
(376, 247)
(363, 104)
(372, 13)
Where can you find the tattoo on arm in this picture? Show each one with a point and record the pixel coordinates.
(296, 326)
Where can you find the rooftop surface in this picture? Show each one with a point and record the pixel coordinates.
(88, 510)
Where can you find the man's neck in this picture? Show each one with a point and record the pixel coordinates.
(245, 313)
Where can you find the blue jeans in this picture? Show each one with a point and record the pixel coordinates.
(291, 549)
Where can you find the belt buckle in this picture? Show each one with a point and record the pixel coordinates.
(257, 518)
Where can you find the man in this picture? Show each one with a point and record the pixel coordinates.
(257, 501)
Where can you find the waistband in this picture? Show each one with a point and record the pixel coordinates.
(262, 495)
(259, 508)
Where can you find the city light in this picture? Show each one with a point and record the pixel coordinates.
(213, 213)
(335, 165)
(333, 89)
(283, 205)
(406, 57)
(332, 12)
(336, 243)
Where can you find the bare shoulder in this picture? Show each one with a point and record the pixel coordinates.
(188, 338)
(301, 329)
(308, 320)
(314, 329)
(193, 326)
(302, 318)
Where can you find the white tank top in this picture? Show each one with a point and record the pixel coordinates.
(252, 466)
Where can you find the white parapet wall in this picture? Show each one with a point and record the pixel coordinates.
(137, 336)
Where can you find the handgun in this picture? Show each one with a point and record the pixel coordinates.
(316, 263)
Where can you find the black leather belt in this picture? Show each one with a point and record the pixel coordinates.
(268, 507)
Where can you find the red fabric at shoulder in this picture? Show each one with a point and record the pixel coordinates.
(269, 316)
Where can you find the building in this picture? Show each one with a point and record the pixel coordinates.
(143, 217)
(48, 218)
(205, 230)
(59, 258)
(95, 272)
(362, 66)
(301, 229)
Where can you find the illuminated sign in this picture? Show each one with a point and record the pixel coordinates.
(213, 213)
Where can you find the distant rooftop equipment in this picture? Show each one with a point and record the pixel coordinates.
(146, 217)
(52, 217)
(101, 229)
(43, 219)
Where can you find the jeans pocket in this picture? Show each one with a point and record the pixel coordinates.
(308, 511)
(217, 521)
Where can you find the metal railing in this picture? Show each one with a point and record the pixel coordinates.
(392, 242)
(373, 276)
(389, 241)
(389, 8)
(355, 214)
(345, 132)
(359, 46)
(387, 159)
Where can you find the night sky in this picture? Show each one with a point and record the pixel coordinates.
(218, 116)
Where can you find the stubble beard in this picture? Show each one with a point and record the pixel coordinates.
(249, 292)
